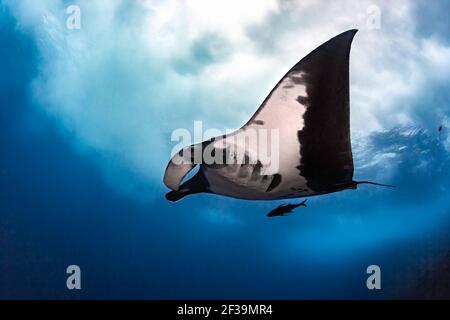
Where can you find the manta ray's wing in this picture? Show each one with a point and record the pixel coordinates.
(310, 108)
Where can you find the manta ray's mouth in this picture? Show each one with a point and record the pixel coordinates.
(173, 196)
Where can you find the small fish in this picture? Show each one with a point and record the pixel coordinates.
(440, 129)
(283, 210)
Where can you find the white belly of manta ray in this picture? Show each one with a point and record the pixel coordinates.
(282, 150)
(305, 120)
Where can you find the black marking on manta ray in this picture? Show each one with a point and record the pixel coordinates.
(297, 79)
(303, 100)
(326, 158)
(275, 182)
(258, 122)
(256, 173)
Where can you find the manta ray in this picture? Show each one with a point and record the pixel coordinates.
(310, 109)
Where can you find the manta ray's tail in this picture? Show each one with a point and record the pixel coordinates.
(374, 183)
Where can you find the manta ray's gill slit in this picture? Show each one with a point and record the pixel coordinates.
(275, 182)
